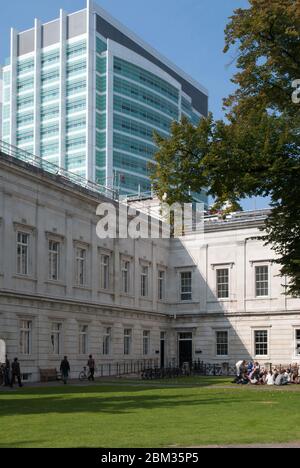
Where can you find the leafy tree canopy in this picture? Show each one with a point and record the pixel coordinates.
(256, 150)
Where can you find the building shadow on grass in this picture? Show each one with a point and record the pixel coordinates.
(27, 405)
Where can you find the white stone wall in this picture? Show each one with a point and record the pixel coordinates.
(48, 209)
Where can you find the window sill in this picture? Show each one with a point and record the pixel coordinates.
(187, 302)
(129, 296)
(106, 291)
(262, 298)
(215, 301)
(83, 288)
(55, 283)
(26, 359)
(25, 277)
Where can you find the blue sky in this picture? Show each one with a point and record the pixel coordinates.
(188, 32)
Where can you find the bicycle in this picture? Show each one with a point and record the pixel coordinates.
(85, 375)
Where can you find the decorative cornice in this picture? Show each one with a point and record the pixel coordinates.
(223, 264)
(50, 235)
(24, 227)
(252, 262)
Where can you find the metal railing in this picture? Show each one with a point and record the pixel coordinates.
(63, 174)
(117, 369)
(188, 369)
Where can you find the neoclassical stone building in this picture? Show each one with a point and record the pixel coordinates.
(63, 291)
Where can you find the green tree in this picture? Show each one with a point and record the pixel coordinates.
(255, 151)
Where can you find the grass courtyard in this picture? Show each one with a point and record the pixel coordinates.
(184, 413)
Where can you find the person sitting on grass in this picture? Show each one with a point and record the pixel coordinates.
(254, 376)
(281, 379)
(270, 378)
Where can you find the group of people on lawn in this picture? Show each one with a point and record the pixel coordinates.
(253, 373)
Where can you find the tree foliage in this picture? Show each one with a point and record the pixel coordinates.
(256, 150)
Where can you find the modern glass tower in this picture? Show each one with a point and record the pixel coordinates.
(85, 93)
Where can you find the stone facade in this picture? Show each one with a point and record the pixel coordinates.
(63, 291)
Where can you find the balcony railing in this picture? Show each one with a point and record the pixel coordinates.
(47, 166)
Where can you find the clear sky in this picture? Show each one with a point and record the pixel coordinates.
(188, 32)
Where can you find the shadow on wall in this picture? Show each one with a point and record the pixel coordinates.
(215, 339)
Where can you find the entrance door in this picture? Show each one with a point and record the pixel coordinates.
(162, 349)
(185, 348)
(2, 351)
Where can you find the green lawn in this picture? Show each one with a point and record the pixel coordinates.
(183, 412)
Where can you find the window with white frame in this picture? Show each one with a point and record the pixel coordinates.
(297, 338)
(55, 338)
(161, 285)
(81, 258)
(145, 281)
(83, 339)
(54, 260)
(127, 341)
(222, 343)
(186, 286)
(146, 342)
(222, 283)
(261, 280)
(261, 342)
(125, 277)
(23, 253)
(107, 342)
(104, 271)
(26, 337)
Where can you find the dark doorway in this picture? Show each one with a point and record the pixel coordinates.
(162, 349)
(185, 348)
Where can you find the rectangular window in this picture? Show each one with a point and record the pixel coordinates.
(107, 342)
(127, 341)
(223, 283)
(104, 273)
(83, 339)
(186, 286)
(146, 343)
(25, 337)
(145, 281)
(54, 260)
(22, 253)
(222, 343)
(55, 338)
(262, 281)
(81, 255)
(297, 332)
(261, 342)
(161, 285)
(125, 277)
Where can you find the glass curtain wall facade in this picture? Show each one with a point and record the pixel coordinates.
(86, 94)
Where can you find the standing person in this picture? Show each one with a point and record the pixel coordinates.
(15, 372)
(7, 379)
(65, 369)
(91, 366)
(240, 369)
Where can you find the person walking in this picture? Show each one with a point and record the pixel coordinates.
(91, 366)
(15, 372)
(7, 379)
(65, 369)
